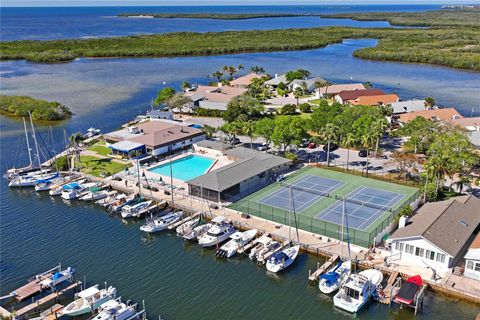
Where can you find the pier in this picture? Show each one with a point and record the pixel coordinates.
(391, 288)
(321, 270)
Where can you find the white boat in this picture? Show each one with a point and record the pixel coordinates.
(57, 278)
(187, 227)
(57, 191)
(94, 195)
(23, 181)
(219, 232)
(238, 240)
(89, 300)
(50, 184)
(357, 290)
(116, 310)
(271, 248)
(259, 245)
(335, 277)
(117, 207)
(161, 223)
(91, 132)
(76, 190)
(130, 211)
(110, 199)
(197, 232)
(282, 259)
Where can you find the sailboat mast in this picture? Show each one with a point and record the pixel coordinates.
(28, 142)
(289, 212)
(36, 144)
(343, 223)
(139, 180)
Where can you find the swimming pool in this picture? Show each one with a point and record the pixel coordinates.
(185, 168)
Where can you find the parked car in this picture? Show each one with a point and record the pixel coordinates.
(333, 147)
(363, 153)
(304, 143)
(311, 145)
(235, 141)
(262, 147)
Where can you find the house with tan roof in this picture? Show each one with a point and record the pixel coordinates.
(445, 114)
(439, 234)
(380, 100)
(153, 137)
(217, 98)
(334, 89)
(244, 81)
(347, 96)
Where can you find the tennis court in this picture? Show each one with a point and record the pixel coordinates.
(305, 192)
(363, 207)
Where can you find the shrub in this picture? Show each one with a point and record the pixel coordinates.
(289, 109)
(291, 156)
(305, 107)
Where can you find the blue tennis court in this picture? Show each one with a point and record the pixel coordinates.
(306, 191)
(367, 206)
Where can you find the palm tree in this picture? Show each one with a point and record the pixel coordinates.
(367, 85)
(348, 143)
(297, 93)
(186, 85)
(464, 181)
(429, 103)
(209, 131)
(322, 84)
(257, 70)
(217, 75)
(378, 129)
(366, 141)
(231, 71)
(330, 134)
(248, 129)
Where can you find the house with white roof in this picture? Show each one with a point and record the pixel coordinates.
(439, 234)
(307, 84)
(408, 106)
(472, 260)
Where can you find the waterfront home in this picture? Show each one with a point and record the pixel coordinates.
(305, 84)
(211, 97)
(152, 137)
(276, 80)
(472, 260)
(379, 100)
(413, 105)
(439, 234)
(159, 114)
(347, 96)
(446, 114)
(244, 81)
(473, 126)
(249, 171)
(334, 89)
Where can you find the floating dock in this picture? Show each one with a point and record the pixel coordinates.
(321, 270)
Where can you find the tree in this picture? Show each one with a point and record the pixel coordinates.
(231, 70)
(329, 135)
(249, 130)
(429, 103)
(420, 132)
(178, 101)
(209, 131)
(386, 110)
(298, 92)
(366, 141)
(245, 105)
(264, 129)
(186, 85)
(218, 75)
(322, 84)
(288, 130)
(163, 95)
(378, 129)
(367, 85)
(464, 182)
(305, 107)
(403, 162)
(232, 129)
(348, 143)
(257, 70)
(288, 109)
(324, 114)
(297, 74)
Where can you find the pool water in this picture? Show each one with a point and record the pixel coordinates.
(185, 168)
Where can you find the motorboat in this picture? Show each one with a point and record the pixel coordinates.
(48, 185)
(161, 223)
(409, 291)
(220, 231)
(197, 232)
(110, 199)
(335, 277)
(128, 201)
(95, 194)
(115, 309)
(269, 250)
(130, 211)
(237, 240)
(76, 190)
(91, 132)
(258, 245)
(57, 191)
(357, 290)
(89, 300)
(282, 259)
(57, 278)
(187, 227)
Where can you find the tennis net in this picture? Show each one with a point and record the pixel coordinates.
(310, 190)
(363, 203)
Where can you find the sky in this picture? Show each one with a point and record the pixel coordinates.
(14, 3)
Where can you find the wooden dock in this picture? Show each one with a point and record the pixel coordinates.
(321, 270)
(390, 290)
(4, 313)
(35, 306)
(31, 288)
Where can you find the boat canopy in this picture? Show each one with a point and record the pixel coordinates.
(281, 256)
(330, 277)
(89, 292)
(219, 220)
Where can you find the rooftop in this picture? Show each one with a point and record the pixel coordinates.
(446, 224)
(354, 94)
(215, 145)
(383, 99)
(408, 106)
(336, 88)
(276, 80)
(126, 146)
(471, 124)
(446, 114)
(245, 80)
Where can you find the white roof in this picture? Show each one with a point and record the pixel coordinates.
(126, 145)
(408, 106)
(89, 292)
(473, 254)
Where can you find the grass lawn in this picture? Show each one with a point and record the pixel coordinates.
(101, 149)
(100, 167)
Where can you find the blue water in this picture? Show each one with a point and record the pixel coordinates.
(185, 168)
(95, 22)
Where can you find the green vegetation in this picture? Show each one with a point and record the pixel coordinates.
(101, 149)
(454, 47)
(99, 167)
(216, 16)
(20, 106)
(435, 18)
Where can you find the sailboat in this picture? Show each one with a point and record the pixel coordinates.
(338, 274)
(284, 258)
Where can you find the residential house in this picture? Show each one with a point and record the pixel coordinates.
(159, 114)
(244, 81)
(346, 96)
(334, 89)
(250, 171)
(472, 260)
(446, 114)
(307, 84)
(275, 81)
(439, 234)
(210, 97)
(153, 137)
(379, 100)
(408, 106)
(473, 126)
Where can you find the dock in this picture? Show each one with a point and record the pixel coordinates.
(321, 270)
(179, 223)
(390, 289)
(35, 306)
(31, 288)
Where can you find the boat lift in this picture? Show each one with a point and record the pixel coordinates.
(408, 293)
